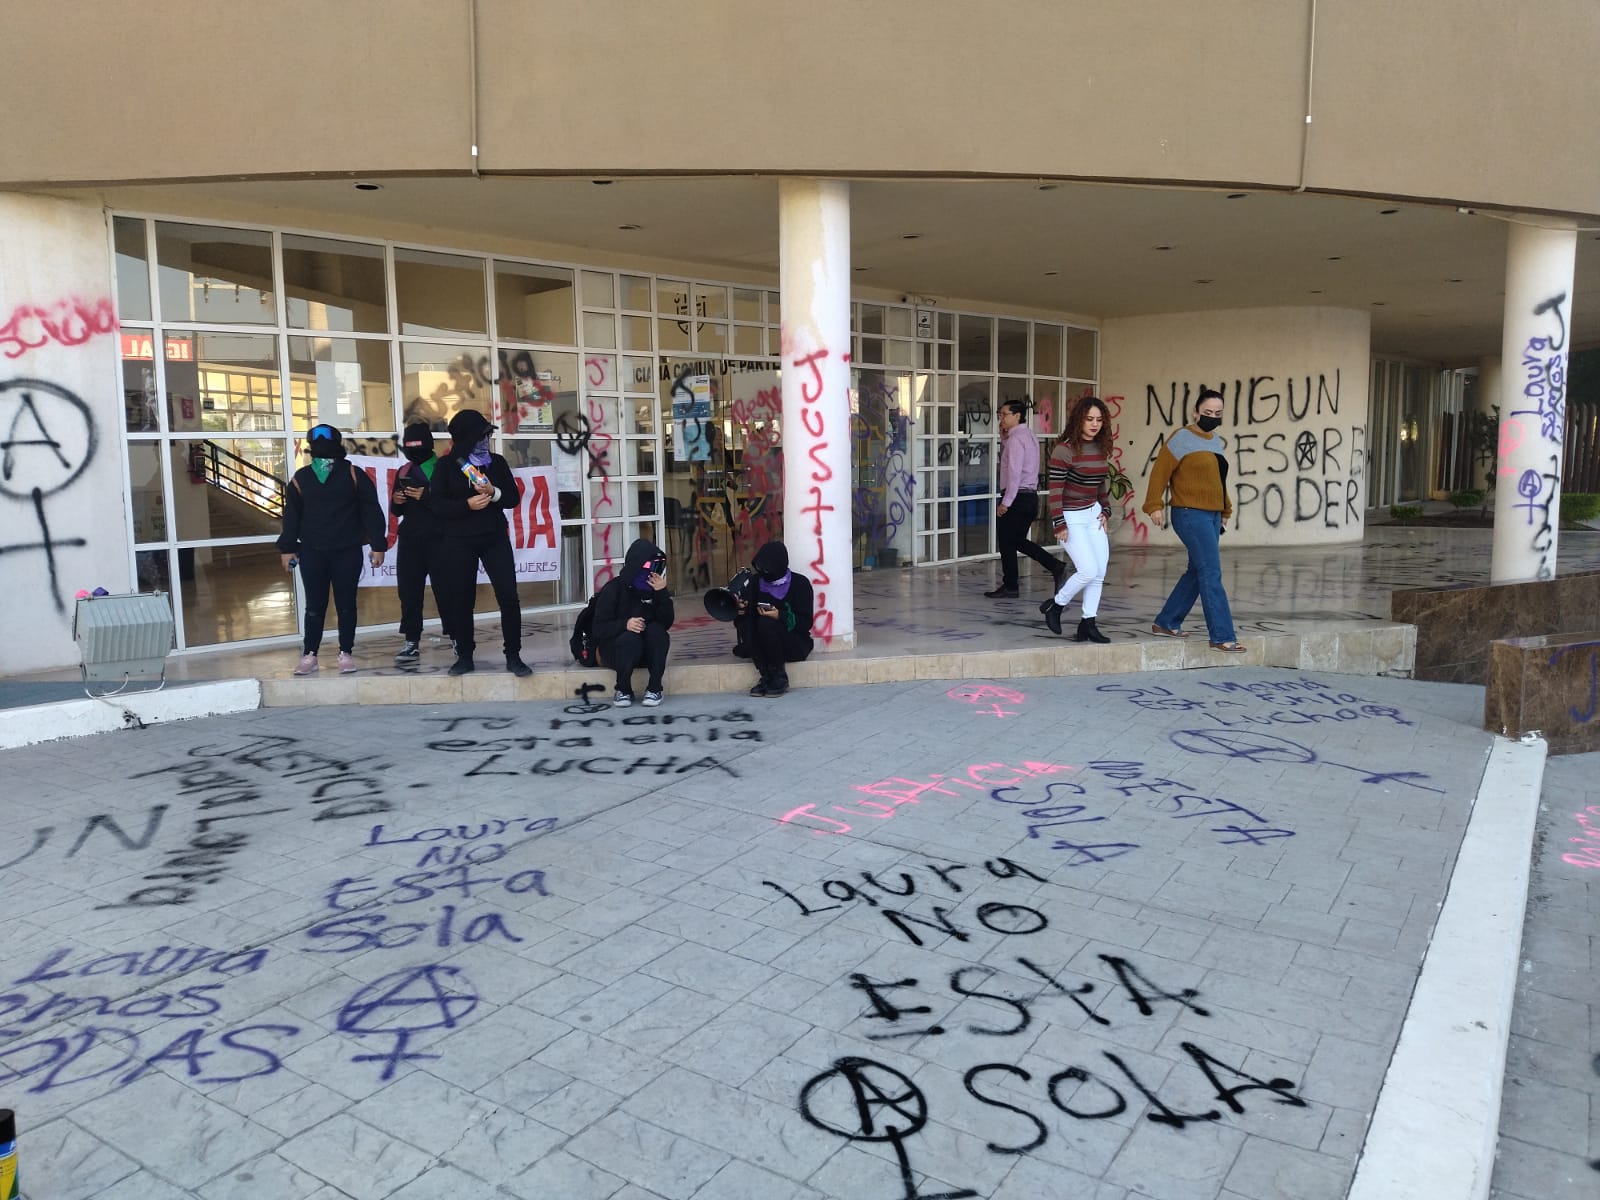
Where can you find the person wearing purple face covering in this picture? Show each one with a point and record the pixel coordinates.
(472, 491)
(632, 614)
(776, 627)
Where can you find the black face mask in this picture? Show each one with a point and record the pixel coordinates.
(418, 454)
(1208, 423)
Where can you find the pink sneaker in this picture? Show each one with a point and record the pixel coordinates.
(308, 665)
(347, 663)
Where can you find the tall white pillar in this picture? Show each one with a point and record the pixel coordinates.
(1533, 400)
(814, 270)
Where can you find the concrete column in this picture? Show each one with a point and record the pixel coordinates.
(814, 269)
(1533, 400)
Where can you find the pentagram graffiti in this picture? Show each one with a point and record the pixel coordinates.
(1305, 450)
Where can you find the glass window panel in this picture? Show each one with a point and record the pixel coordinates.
(947, 326)
(871, 350)
(711, 302)
(529, 452)
(533, 389)
(439, 294)
(748, 339)
(639, 456)
(774, 309)
(153, 569)
(1012, 346)
(635, 292)
(639, 374)
(1081, 347)
(903, 354)
(600, 373)
(233, 593)
(635, 333)
(774, 341)
(671, 334)
(228, 487)
(218, 276)
(902, 322)
(672, 297)
(712, 338)
(974, 401)
(1047, 403)
(133, 269)
(947, 545)
(944, 357)
(641, 416)
(439, 381)
(534, 304)
(1047, 349)
(599, 289)
(599, 329)
(222, 382)
(141, 406)
(344, 380)
(872, 318)
(976, 342)
(977, 522)
(149, 500)
(746, 305)
(337, 286)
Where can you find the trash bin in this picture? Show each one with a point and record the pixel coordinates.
(121, 638)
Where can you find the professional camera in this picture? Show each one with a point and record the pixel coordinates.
(723, 603)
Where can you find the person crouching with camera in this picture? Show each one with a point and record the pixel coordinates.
(774, 623)
(632, 614)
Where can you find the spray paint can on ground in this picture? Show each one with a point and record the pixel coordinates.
(8, 1155)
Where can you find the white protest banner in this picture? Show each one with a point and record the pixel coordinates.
(534, 532)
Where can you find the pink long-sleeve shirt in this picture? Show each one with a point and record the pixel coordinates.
(1019, 463)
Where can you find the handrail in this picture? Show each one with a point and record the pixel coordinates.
(242, 479)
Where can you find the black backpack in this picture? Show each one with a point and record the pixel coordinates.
(584, 650)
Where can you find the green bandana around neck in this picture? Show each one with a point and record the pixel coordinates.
(323, 467)
(427, 467)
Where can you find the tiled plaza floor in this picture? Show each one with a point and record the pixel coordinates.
(1152, 936)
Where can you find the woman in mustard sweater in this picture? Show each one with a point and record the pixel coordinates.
(1192, 466)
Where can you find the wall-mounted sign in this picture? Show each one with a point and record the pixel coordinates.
(924, 322)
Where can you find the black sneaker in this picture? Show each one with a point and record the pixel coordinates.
(622, 700)
(1002, 593)
(461, 666)
(517, 667)
(408, 653)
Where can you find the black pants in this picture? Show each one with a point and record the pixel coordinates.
(628, 648)
(455, 561)
(1011, 534)
(413, 564)
(770, 644)
(341, 569)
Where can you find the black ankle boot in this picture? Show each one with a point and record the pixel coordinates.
(760, 688)
(1052, 615)
(777, 684)
(1088, 631)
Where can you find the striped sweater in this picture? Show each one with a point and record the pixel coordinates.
(1079, 478)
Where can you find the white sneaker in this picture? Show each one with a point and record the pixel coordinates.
(651, 699)
(347, 663)
(308, 665)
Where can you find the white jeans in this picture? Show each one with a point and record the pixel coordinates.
(1089, 550)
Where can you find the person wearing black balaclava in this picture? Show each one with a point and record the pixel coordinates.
(329, 510)
(417, 541)
(632, 614)
(472, 491)
(776, 627)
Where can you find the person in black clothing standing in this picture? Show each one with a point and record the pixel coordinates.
(776, 627)
(472, 491)
(329, 510)
(416, 543)
(632, 614)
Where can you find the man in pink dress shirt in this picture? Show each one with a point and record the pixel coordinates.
(1019, 500)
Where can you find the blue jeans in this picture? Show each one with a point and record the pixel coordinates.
(1199, 530)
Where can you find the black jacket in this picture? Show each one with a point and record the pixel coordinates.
(447, 498)
(619, 601)
(332, 516)
(417, 519)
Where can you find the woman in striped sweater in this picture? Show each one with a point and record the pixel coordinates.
(1080, 502)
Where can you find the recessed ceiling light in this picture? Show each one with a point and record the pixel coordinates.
(863, 268)
(601, 182)
(1387, 212)
(909, 237)
(1316, 291)
(1161, 247)
(1379, 303)
(368, 187)
(1452, 281)
(1048, 187)
(1335, 257)
(1205, 280)
(627, 228)
(1237, 195)
(1052, 272)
